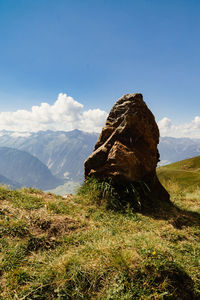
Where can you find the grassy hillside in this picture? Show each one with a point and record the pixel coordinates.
(185, 173)
(72, 248)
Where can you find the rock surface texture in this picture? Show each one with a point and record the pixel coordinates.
(126, 150)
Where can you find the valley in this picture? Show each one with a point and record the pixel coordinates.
(64, 153)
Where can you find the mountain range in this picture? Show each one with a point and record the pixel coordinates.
(176, 149)
(21, 169)
(61, 155)
(62, 152)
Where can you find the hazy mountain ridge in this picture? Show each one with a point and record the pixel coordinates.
(10, 183)
(176, 149)
(22, 168)
(64, 152)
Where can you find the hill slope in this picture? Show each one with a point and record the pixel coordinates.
(186, 172)
(71, 248)
(8, 182)
(26, 169)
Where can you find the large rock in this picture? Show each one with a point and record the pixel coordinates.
(126, 150)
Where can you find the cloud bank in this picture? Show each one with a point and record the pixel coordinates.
(65, 114)
(192, 129)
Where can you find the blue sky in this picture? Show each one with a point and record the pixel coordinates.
(96, 51)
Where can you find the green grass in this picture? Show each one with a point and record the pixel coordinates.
(21, 199)
(116, 196)
(77, 248)
(185, 173)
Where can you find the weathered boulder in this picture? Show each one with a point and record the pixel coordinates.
(126, 150)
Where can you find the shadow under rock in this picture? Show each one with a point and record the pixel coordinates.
(168, 211)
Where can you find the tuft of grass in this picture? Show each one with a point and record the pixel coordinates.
(13, 228)
(115, 196)
(14, 256)
(58, 207)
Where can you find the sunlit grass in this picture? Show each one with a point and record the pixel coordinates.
(76, 248)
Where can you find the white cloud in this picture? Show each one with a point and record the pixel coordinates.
(192, 129)
(65, 114)
(20, 134)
